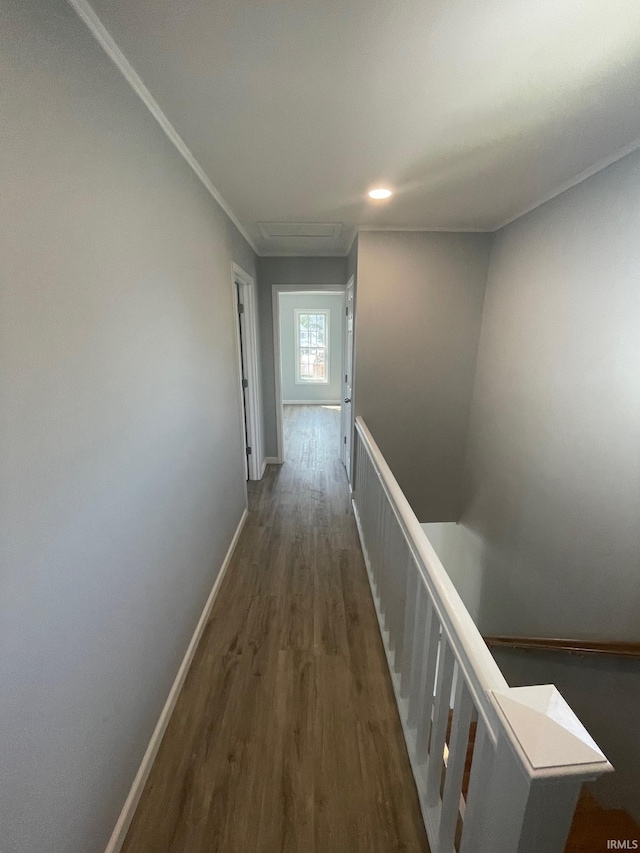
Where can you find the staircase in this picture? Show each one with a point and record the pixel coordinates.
(505, 755)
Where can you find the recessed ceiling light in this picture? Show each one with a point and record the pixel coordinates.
(380, 193)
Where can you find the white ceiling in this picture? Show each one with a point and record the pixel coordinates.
(473, 112)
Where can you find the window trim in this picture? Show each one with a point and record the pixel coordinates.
(327, 346)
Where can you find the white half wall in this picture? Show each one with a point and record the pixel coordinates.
(460, 552)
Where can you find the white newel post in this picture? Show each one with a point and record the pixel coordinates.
(543, 755)
(531, 753)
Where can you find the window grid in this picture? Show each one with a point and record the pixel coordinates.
(312, 347)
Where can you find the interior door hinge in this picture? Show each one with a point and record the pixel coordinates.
(248, 451)
(345, 439)
(346, 311)
(245, 383)
(240, 308)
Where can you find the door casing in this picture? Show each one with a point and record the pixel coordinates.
(276, 290)
(243, 286)
(346, 410)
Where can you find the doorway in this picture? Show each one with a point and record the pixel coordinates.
(248, 373)
(308, 348)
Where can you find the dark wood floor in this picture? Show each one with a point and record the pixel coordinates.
(286, 736)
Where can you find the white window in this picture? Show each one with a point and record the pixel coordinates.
(312, 347)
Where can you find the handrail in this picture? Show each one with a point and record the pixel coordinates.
(577, 647)
(531, 753)
(479, 665)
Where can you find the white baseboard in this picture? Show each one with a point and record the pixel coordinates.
(268, 460)
(126, 815)
(311, 402)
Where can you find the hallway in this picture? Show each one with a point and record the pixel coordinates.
(286, 735)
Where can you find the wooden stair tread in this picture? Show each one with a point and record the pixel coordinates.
(593, 826)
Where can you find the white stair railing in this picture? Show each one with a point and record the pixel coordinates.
(531, 753)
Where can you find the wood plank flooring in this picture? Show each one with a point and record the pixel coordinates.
(286, 738)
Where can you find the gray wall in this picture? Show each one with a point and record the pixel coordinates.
(549, 540)
(305, 272)
(419, 305)
(121, 457)
(309, 392)
(553, 481)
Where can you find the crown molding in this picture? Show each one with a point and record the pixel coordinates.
(598, 166)
(296, 254)
(425, 230)
(107, 43)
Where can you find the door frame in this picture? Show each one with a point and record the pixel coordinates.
(276, 290)
(344, 426)
(243, 283)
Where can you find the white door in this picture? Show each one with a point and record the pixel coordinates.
(346, 419)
